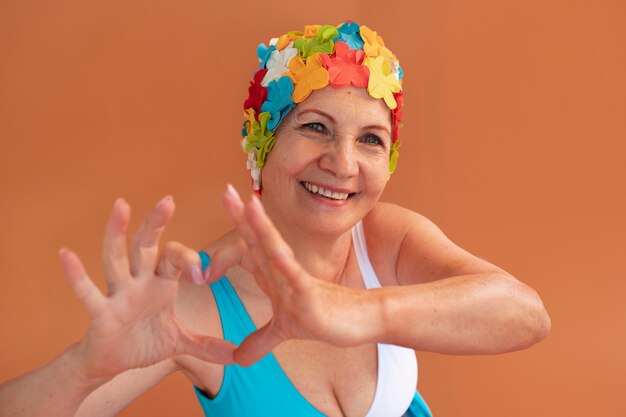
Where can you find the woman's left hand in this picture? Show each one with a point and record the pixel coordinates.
(303, 307)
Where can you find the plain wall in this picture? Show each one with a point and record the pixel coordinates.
(513, 143)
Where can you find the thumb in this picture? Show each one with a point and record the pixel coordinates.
(232, 254)
(207, 348)
(258, 344)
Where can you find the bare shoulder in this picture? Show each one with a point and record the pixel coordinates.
(195, 306)
(413, 249)
(385, 228)
(197, 311)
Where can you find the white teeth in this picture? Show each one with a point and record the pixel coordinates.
(326, 193)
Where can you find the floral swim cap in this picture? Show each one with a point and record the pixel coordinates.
(295, 64)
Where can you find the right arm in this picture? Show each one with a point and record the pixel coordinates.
(62, 388)
(134, 334)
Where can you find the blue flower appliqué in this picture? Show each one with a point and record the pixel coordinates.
(350, 33)
(263, 53)
(279, 101)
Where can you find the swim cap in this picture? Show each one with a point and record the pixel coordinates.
(295, 64)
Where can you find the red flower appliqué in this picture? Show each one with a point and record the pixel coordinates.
(397, 115)
(346, 67)
(256, 92)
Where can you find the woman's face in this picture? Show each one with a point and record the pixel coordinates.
(330, 163)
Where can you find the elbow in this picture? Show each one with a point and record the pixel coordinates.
(543, 323)
(533, 320)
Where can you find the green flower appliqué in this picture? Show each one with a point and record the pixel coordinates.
(260, 138)
(393, 157)
(321, 42)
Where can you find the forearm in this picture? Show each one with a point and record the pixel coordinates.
(470, 314)
(56, 389)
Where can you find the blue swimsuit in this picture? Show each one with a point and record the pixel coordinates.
(263, 389)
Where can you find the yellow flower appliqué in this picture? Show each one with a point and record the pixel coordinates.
(374, 45)
(382, 83)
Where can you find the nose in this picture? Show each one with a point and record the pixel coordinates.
(340, 159)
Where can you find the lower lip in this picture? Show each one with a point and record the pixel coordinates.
(324, 200)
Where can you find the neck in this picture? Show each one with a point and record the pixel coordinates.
(323, 256)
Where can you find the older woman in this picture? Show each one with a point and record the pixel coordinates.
(321, 294)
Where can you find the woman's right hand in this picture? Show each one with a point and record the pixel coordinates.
(134, 325)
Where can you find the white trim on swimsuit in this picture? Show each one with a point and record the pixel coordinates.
(397, 366)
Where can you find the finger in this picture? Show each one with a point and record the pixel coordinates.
(207, 348)
(177, 259)
(233, 254)
(116, 267)
(257, 345)
(83, 287)
(268, 236)
(145, 244)
(235, 207)
(287, 266)
(276, 251)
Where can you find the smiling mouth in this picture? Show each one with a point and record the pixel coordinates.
(332, 195)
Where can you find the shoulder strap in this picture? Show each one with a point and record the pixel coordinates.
(236, 323)
(360, 249)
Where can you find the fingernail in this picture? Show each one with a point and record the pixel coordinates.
(164, 200)
(257, 203)
(196, 275)
(207, 273)
(231, 190)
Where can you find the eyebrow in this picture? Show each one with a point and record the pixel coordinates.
(321, 113)
(332, 119)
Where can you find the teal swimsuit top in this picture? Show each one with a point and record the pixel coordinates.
(262, 389)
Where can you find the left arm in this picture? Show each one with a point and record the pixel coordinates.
(484, 313)
(448, 300)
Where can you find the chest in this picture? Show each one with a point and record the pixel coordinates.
(336, 381)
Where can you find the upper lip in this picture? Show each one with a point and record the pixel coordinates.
(330, 187)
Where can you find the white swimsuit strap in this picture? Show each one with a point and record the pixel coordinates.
(360, 249)
(397, 366)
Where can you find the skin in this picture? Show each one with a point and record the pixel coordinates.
(291, 261)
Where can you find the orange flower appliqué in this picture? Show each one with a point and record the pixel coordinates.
(307, 77)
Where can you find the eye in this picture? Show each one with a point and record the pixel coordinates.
(373, 139)
(315, 126)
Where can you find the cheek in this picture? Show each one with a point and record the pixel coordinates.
(294, 151)
(284, 162)
(377, 173)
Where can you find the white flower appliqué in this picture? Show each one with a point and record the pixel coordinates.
(278, 63)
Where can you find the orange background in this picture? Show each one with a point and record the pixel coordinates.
(513, 144)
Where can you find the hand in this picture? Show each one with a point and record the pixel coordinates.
(303, 307)
(135, 324)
